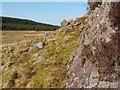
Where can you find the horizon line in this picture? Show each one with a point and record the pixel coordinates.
(30, 20)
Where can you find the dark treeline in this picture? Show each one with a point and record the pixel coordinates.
(24, 24)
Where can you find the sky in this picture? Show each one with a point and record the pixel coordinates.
(45, 12)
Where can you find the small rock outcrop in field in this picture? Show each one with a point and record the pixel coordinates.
(95, 63)
(38, 45)
(40, 58)
(64, 23)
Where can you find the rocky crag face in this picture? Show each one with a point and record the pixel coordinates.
(95, 63)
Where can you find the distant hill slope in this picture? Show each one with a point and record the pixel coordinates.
(9, 23)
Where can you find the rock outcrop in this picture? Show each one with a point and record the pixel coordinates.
(64, 23)
(96, 62)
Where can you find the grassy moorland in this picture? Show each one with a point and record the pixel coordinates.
(12, 37)
(19, 60)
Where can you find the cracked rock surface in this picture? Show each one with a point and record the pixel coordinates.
(96, 62)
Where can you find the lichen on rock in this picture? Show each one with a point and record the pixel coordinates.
(99, 45)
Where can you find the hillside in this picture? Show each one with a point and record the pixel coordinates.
(83, 54)
(54, 63)
(9, 23)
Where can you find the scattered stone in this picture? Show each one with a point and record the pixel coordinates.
(40, 58)
(64, 23)
(46, 35)
(38, 45)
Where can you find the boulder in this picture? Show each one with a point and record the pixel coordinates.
(40, 58)
(38, 45)
(47, 35)
(64, 23)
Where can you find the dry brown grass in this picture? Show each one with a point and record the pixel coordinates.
(9, 37)
(18, 60)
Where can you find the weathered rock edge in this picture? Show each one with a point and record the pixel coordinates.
(96, 62)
